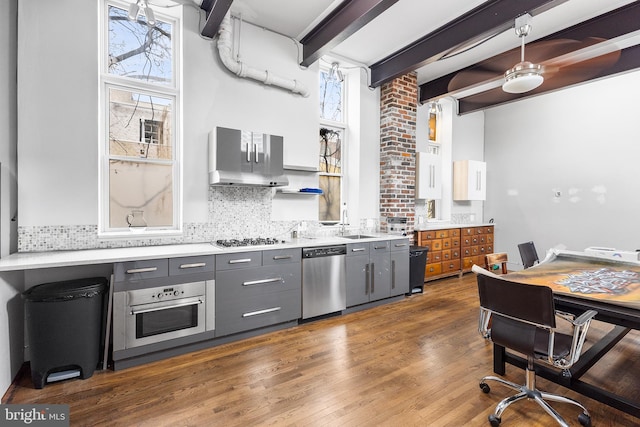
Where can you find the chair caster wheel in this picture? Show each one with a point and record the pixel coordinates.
(485, 387)
(495, 421)
(584, 420)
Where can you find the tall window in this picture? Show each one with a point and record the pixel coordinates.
(140, 147)
(332, 149)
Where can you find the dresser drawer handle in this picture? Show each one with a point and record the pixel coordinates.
(239, 261)
(262, 281)
(258, 312)
(142, 270)
(194, 265)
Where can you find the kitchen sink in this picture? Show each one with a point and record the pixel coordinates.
(358, 236)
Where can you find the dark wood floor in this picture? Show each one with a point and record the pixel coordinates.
(413, 362)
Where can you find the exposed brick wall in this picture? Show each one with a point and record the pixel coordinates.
(398, 112)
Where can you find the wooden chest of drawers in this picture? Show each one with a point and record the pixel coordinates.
(454, 250)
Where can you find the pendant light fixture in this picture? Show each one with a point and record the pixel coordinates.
(524, 76)
(134, 11)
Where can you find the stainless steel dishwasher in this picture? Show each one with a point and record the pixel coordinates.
(324, 280)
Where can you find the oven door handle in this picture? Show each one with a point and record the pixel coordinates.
(182, 303)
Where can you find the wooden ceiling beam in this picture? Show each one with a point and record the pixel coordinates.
(342, 22)
(486, 20)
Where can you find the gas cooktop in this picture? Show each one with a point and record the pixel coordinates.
(255, 241)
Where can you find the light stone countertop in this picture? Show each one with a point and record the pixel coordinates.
(442, 225)
(35, 260)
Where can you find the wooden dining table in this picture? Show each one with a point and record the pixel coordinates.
(583, 281)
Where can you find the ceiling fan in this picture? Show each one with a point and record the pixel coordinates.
(561, 62)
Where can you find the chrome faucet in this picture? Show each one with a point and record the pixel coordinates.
(344, 222)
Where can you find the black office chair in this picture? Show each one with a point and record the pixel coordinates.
(528, 254)
(522, 317)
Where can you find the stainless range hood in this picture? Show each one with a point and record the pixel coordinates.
(245, 158)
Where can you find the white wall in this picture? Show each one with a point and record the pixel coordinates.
(58, 113)
(582, 142)
(11, 324)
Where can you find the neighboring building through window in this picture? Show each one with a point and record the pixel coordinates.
(332, 149)
(140, 156)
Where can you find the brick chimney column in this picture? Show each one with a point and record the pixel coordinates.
(398, 113)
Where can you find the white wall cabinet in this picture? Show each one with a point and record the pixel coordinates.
(469, 180)
(428, 176)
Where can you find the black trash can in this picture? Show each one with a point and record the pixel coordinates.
(417, 265)
(64, 326)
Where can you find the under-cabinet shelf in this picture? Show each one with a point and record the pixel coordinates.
(297, 192)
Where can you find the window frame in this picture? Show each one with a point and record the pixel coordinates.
(171, 90)
(343, 126)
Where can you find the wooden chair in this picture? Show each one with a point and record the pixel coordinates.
(492, 261)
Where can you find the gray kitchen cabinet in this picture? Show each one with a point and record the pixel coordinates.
(358, 275)
(376, 270)
(380, 269)
(251, 295)
(399, 267)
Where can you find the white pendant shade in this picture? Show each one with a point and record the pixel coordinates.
(523, 77)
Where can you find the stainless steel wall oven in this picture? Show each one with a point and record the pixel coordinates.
(157, 314)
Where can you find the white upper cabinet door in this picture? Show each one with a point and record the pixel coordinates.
(469, 180)
(428, 176)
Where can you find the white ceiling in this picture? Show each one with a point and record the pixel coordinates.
(407, 21)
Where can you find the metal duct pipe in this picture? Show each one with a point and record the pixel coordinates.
(240, 69)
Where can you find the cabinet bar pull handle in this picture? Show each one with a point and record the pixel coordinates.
(279, 257)
(258, 312)
(142, 270)
(393, 274)
(194, 265)
(373, 278)
(248, 152)
(380, 247)
(255, 153)
(357, 249)
(239, 261)
(262, 281)
(367, 279)
(399, 245)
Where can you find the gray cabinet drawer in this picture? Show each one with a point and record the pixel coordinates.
(399, 245)
(377, 247)
(191, 264)
(238, 260)
(139, 270)
(240, 284)
(256, 311)
(281, 256)
(354, 249)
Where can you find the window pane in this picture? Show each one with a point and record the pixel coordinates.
(330, 97)
(330, 198)
(331, 150)
(138, 51)
(136, 186)
(140, 125)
